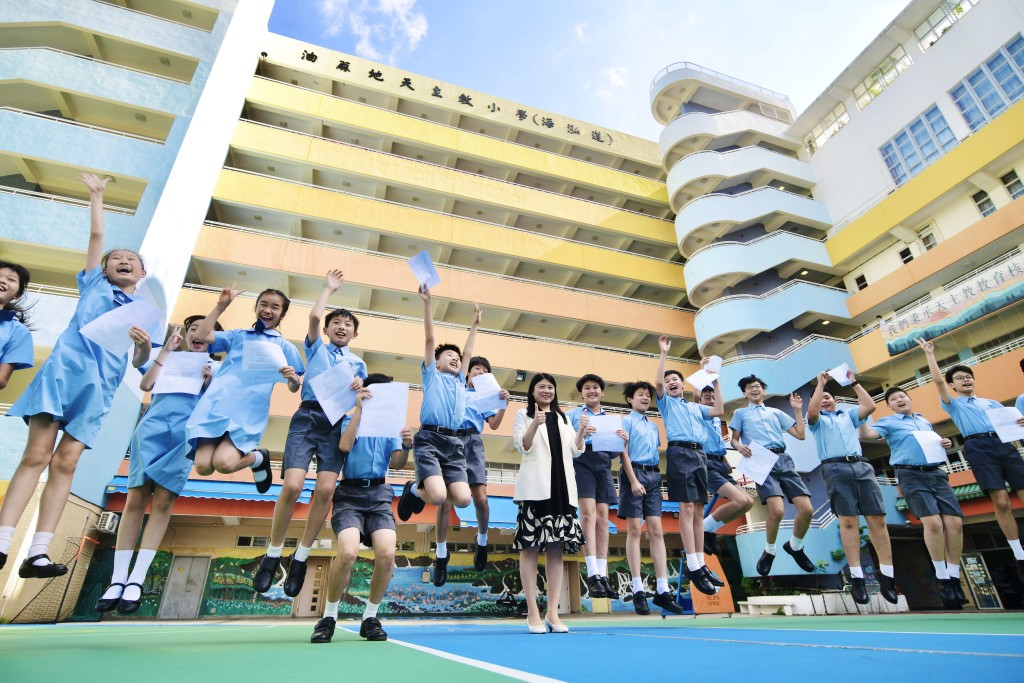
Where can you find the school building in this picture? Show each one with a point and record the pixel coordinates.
(786, 242)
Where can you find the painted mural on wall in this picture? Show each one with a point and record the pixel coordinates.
(100, 569)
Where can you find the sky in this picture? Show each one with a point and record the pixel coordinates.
(594, 60)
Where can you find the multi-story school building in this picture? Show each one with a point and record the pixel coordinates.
(786, 242)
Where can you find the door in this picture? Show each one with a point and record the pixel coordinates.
(310, 600)
(186, 583)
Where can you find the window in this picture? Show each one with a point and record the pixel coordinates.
(861, 282)
(920, 143)
(906, 255)
(1013, 185)
(928, 240)
(882, 76)
(826, 128)
(262, 542)
(940, 21)
(993, 86)
(984, 203)
(407, 546)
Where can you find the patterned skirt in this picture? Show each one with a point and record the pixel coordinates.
(534, 530)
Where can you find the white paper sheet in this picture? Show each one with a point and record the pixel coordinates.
(839, 374)
(384, 413)
(701, 379)
(605, 438)
(424, 270)
(214, 367)
(714, 364)
(182, 373)
(486, 392)
(110, 330)
(262, 362)
(758, 465)
(333, 389)
(1004, 421)
(930, 443)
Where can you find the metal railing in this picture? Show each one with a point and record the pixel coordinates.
(79, 124)
(152, 16)
(766, 188)
(770, 293)
(5, 189)
(820, 519)
(684, 114)
(762, 238)
(737, 151)
(809, 339)
(99, 61)
(677, 66)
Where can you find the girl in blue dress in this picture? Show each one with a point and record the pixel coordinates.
(72, 392)
(158, 470)
(16, 350)
(228, 422)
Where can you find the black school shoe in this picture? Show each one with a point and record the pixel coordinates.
(440, 574)
(323, 631)
(371, 629)
(710, 543)
(480, 558)
(268, 480)
(888, 589)
(948, 594)
(958, 589)
(699, 581)
(595, 587)
(607, 587)
(30, 570)
(859, 591)
(130, 606)
(640, 605)
(665, 602)
(764, 565)
(296, 577)
(3, 560)
(408, 504)
(1020, 569)
(712, 577)
(800, 557)
(108, 604)
(264, 577)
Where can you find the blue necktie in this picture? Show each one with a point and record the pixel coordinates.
(120, 298)
(260, 326)
(6, 315)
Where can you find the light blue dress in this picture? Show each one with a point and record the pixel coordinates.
(15, 342)
(231, 405)
(158, 450)
(77, 382)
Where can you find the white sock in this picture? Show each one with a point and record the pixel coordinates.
(857, 572)
(122, 561)
(40, 545)
(663, 586)
(257, 459)
(331, 609)
(796, 543)
(302, 553)
(692, 562)
(591, 565)
(700, 558)
(6, 538)
(142, 562)
(414, 490)
(481, 540)
(1018, 552)
(275, 550)
(953, 570)
(371, 609)
(940, 569)
(769, 548)
(711, 524)
(602, 567)
(638, 585)
(442, 550)
(886, 570)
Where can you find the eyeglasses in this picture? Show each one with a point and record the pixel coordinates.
(962, 378)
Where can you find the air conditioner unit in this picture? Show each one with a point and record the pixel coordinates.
(108, 522)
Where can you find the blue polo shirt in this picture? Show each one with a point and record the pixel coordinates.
(444, 397)
(897, 430)
(574, 416)
(15, 342)
(474, 419)
(370, 456)
(835, 433)
(1019, 405)
(968, 414)
(321, 357)
(644, 439)
(713, 444)
(684, 421)
(761, 424)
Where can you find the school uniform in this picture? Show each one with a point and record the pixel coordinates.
(925, 486)
(765, 425)
(593, 469)
(76, 384)
(852, 486)
(685, 465)
(719, 469)
(993, 462)
(362, 499)
(310, 432)
(15, 342)
(439, 450)
(472, 443)
(231, 405)
(644, 441)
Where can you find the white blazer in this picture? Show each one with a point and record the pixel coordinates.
(534, 481)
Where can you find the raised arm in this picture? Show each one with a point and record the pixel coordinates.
(664, 343)
(401, 457)
(797, 403)
(348, 437)
(467, 350)
(428, 327)
(149, 379)
(718, 410)
(868, 434)
(814, 404)
(96, 186)
(332, 283)
(205, 330)
(865, 404)
(933, 367)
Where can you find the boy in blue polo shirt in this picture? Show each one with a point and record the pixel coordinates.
(925, 487)
(362, 514)
(720, 479)
(640, 497)
(851, 482)
(764, 425)
(994, 463)
(440, 458)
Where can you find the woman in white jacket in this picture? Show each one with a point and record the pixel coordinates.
(546, 493)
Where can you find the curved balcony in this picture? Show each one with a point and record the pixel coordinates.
(31, 216)
(679, 82)
(787, 370)
(709, 217)
(704, 172)
(734, 319)
(693, 132)
(722, 265)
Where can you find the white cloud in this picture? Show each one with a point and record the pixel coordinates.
(581, 31)
(610, 78)
(382, 28)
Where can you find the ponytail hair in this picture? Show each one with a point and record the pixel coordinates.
(16, 304)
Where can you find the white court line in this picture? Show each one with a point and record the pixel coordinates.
(834, 630)
(486, 666)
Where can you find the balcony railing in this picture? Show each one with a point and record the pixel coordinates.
(99, 61)
(152, 16)
(79, 124)
(716, 74)
(45, 196)
(820, 519)
(770, 293)
(757, 240)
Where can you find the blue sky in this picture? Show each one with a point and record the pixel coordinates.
(594, 60)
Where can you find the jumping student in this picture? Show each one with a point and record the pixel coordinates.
(228, 422)
(595, 487)
(71, 392)
(16, 349)
(994, 463)
(720, 479)
(640, 498)
(310, 434)
(476, 471)
(925, 487)
(440, 459)
(853, 488)
(758, 423)
(684, 462)
(362, 514)
(158, 467)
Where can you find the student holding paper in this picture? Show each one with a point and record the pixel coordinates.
(476, 471)
(228, 422)
(852, 486)
(72, 392)
(720, 479)
(994, 463)
(925, 487)
(311, 434)
(158, 467)
(764, 425)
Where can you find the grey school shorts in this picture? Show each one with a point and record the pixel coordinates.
(719, 472)
(366, 509)
(476, 467)
(594, 476)
(687, 475)
(928, 492)
(311, 433)
(994, 463)
(852, 488)
(640, 507)
(439, 455)
(783, 480)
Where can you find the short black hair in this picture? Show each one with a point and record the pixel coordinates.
(633, 387)
(1022, 364)
(709, 387)
(106, 257)
(377, 378)
(342, 313)
(750, 379)
(893, 390)
(441, 348)
(479, 360)
(591, 377)
(672, 372)
(955, 369)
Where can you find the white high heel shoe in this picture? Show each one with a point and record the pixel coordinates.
(556, 628)
(535, 630)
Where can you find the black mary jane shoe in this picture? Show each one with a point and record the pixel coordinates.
(130, 606)
(30, 570)
(109, 604)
